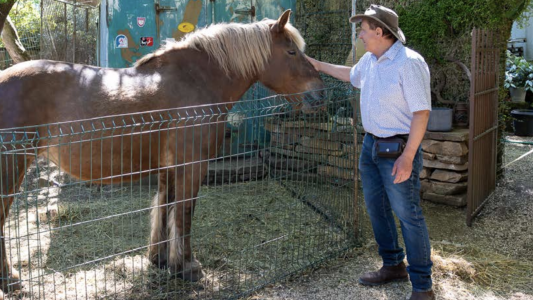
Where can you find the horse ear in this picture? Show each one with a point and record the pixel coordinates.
(283, 19)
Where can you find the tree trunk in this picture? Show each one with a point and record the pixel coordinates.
(12, 43)
(5, 7)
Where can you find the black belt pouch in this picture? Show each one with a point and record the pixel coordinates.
(391, 147)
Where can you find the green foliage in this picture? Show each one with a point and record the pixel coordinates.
(518, 72)
(429, 24)
(26, 17)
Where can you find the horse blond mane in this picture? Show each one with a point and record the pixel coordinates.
(241, 49)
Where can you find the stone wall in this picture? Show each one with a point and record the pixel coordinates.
(311, 151)
(445, 174)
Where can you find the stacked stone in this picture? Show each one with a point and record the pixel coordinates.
(234, 170)
(445, 174)
(306, 150)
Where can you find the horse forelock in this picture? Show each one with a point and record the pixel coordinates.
(239, 49)
(295, 36)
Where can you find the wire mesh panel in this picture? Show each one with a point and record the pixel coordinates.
(326, 29)
(328, 34)
(82, 225)
(69, 30)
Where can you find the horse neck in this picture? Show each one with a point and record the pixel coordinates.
(231, 86)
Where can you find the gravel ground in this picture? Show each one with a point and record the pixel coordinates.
(496, 253)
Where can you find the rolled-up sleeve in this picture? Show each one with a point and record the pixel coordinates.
(416, 84)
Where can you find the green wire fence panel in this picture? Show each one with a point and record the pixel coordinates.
(80, 227)
(325, 26)
(328, 36)
(65, 30)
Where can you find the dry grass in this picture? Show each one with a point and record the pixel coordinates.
(90, 241)
(483, 268)
(245, 233)
(492, 260)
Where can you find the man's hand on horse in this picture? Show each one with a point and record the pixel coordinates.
(314, 62)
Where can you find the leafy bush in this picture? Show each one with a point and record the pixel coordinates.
(518, 72)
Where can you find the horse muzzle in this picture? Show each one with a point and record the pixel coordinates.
(315, 99)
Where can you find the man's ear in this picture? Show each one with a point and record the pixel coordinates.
(282, 21)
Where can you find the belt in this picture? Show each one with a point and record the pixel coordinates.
(402, 136)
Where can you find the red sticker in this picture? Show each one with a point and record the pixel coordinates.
(147, 41)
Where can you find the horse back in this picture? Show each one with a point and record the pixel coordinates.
(34, 92)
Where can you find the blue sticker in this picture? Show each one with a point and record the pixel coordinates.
(121, 41)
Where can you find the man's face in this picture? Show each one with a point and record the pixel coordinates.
(369, 37)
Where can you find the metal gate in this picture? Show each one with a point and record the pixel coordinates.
(483, 120)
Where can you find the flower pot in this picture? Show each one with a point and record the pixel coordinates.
(440, 119)
(523, 122)
(518, 94)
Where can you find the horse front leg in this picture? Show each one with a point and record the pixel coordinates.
(181, 260)
(158, 249)
(171, 221)
(13, 168)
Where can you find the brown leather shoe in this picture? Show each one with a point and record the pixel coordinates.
(385, 275)
(422, 296)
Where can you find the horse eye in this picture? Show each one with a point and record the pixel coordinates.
(291, 52)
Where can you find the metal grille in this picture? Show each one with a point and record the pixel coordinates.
(69, 31)
(326, 29)
(261, 215)
(483, 120)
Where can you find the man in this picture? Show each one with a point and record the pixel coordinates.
(395, 101)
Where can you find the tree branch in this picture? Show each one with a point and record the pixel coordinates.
(462, 66)
(12, 42)
(5, 8)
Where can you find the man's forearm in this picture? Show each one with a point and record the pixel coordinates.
(337, 71)
(417, 132)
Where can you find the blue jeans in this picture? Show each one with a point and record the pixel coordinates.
(382, 197)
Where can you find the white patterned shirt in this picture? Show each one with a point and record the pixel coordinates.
(393, 87)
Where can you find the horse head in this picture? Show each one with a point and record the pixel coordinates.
(288, 71)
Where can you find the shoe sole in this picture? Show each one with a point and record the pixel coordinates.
(367, 283)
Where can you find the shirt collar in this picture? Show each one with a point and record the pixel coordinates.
(392, 51)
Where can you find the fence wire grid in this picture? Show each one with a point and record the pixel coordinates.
(25, 17)
(285, 204)
(55, 29)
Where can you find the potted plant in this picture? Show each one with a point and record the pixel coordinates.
(518, 77)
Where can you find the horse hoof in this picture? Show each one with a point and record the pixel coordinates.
(12, 283)
(158, 260)
(192, 271)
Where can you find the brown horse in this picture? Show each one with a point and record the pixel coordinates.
(211, 66)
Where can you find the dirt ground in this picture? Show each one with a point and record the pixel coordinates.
(493, 259)
(62, 237)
